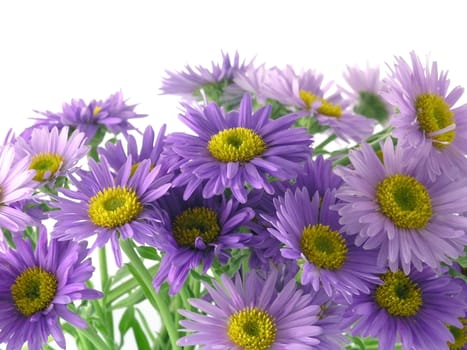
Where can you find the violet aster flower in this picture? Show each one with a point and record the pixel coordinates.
(53, 153)
(112, 114)
(194, 231)
(251, 313)
(411, 308)
(310, 230)
(306, 93)
(237, 148)
(16, 184)
(394, 207)
(110, 206)
(37, 287)
(427, 117)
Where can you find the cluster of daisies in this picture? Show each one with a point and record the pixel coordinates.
(264, 237)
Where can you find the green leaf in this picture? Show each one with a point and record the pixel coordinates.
(126, 322)
(140, 337)
(149, 253)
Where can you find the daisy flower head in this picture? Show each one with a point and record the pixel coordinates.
(306, 93)
(194, 232)
(16, 184)
(237, 148)
(110, 206)
(53, 153)
(310, 232)
(409, 308)
(252, 313)
(37, 287)
(428, 118)
(392, 206)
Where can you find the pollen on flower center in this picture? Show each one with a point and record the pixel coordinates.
(434, 114)
(96, 111)
(398, 294)
(236, 145)
(327, 108)
(193, 223)
(460, 336)
(46, 165)
(252, 329)
(33, 290)
(114, 206)
(323, 247)
(405, 201)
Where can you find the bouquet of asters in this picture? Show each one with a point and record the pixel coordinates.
(296, 214)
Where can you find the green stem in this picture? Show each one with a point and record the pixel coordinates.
(90, 334)
(140, 272)
(319, 149)
(104, 286)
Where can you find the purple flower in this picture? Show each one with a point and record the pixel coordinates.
(411, 308)
(310, 231)
(392, 206)
(427, 118)
(37, 287)
(110, 206)
(237, 148)
(194, 231)
(251, 313)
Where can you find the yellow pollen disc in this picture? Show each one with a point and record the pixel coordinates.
(236, 145)
(405, 201)
(194, 223)
(33, 290)
(252, 329)
(136, 166)
(434, 114)
(399, 295)
(460, 336)
(323, 247)
(327, 108)
(45, 165)
(114, 207)
(96, 111)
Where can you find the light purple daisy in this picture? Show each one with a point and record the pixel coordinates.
(392, 206)
(305, 92)
(194, 232)
(110, 206)
(233, 149)
(310, 231)
(37, 287)
(251, 313)
(16, 184)
(427, 117)
(112, 114)
(53, 153)
(412, 309)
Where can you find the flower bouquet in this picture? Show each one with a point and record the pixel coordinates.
(296, 214)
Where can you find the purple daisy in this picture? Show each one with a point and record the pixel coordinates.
(427, 118)
(393, 206)
(310, 231)
(306, 93)
(237, 148)
(53, 153)
(110, 206)
(411, 308)
(194, 231)
(16, 184)
(112, 114)
(37, 287)
(251, 313)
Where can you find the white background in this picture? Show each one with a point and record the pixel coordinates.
(52, 51)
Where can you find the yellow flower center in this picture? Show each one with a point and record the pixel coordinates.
(327, 108)
(114, 207)
(434, 114)
(405, 201)
(252, 329)
(460, 336)
(33, 290)
(96, 111)
(399, 295)
(46, 165)
(323, 247)
(193, 223)
(236, 145)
